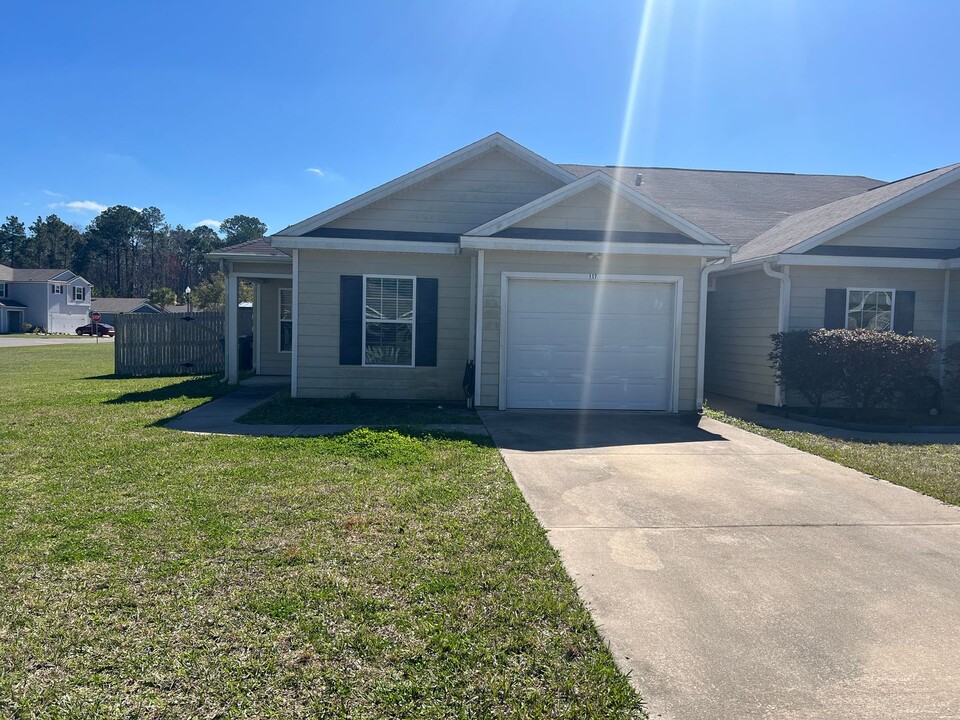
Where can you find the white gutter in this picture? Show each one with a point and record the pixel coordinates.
(702, 325)
(783, 317)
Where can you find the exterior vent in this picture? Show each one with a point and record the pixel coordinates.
(639, 179)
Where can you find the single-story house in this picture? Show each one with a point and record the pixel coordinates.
(532, 284)
(54, 299)
(109, 308)
(881, 258)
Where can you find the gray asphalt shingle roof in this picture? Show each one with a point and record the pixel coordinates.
(259, 246)
(731, 205)
(9, 274)
(117, 305)
(804, 225)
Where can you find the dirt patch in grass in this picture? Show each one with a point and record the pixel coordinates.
(283, 410)
(150, 573)
(929, 468)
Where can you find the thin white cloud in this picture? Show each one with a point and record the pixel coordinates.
(316, 171)
(215, 224)
(51, 193)
(80, 206)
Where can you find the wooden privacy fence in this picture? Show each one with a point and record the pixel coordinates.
(173, 343)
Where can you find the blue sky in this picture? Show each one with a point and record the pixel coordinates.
(209, 109)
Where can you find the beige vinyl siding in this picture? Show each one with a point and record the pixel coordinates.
(258, 269)
(458, 200)
(742, 313)
(932, 221)
(319, 373)
(497, 262)
(272, 361)
(810, 285)
(595, 209)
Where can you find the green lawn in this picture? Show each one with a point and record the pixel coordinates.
(932, 469)
(150, 573)
(281, 410)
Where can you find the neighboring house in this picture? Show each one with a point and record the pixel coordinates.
(881, 258)
(56, 300)
(570, 286)
(109, 308)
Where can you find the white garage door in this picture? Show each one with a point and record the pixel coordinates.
(588, 344)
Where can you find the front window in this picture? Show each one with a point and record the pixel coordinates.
(870, 309)
(388, 320)
(57, 290)
(79, 293)
(286, 319)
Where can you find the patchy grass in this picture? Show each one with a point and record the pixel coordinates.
(150, 573)
(932, 469)
(282, 410)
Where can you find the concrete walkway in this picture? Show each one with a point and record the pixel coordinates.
(735, 577)
(218, 417)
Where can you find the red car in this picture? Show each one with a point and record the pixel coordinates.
(102, 329)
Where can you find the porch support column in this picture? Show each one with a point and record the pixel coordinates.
(231, 339)
(478, 342)
(944, 332)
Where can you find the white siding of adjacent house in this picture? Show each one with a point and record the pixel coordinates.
(596, 209)
(497, 262)
(810, 286)
(272, 361)
(932, 221)
(319, 371)
(742, 313)
(458, 200)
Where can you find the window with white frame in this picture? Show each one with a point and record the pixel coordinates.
(286, 320)
(79, 293)
(870, 309)
(57, 289)
(388, 320)
(3, 290)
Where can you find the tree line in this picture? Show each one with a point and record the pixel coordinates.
(124, 252)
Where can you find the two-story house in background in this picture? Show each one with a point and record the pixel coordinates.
(54, 299)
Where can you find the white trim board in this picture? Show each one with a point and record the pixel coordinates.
(595, 179)
(676, 280)
(345, 243)
(591, 247)
(496, 140)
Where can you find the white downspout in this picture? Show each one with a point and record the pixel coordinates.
(478, 342)
(783, 318)
(943, 323)
(702, 325)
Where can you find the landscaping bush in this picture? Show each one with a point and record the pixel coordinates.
(864, 369)
(951, 371)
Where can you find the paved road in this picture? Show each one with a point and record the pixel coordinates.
(737, 578)
(49, 340)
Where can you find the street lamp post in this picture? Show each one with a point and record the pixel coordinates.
(187, 295)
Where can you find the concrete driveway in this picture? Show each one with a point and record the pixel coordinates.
(734, 577)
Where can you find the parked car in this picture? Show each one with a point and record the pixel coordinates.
(102, 329)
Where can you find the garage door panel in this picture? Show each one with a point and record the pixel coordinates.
(577, 344)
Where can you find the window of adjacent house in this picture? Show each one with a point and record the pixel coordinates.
(57, 289)
(3, 290)
(286, 319)
(869, 309)
(388, 320)
(79, 293)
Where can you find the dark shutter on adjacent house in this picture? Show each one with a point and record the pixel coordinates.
(351, 319)
(835, 309)
(427, 322)
(903, 310)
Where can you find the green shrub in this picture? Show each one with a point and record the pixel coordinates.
(951, 371)
(803, 362)
(864, 369)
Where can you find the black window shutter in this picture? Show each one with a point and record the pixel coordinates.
(351, 319)
(835, 310)
(903, 311)
(427, 322)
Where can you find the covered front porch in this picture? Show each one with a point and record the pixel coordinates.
(270, 271)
